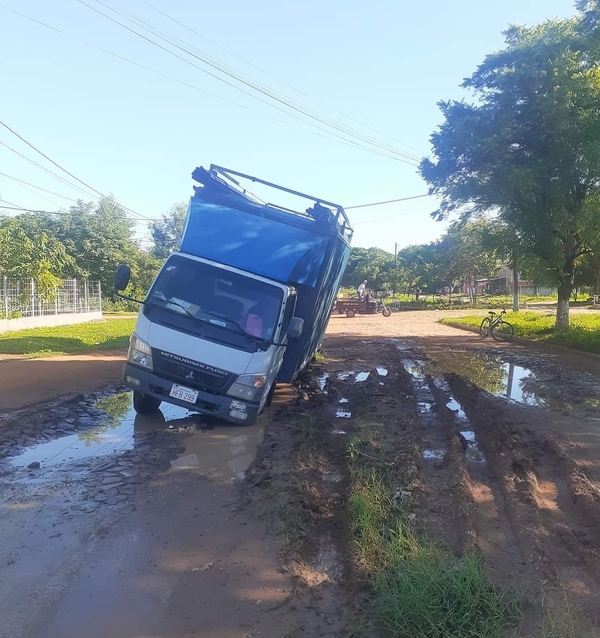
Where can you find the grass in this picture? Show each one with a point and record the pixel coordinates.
(583, 333)
(418, 590)
(60, 340)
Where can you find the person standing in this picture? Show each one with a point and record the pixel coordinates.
(361, 290)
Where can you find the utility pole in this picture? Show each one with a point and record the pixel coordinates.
(395, 268)
(515, 282)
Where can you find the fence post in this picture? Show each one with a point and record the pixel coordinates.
(75, 300)
(87, 295)
(5, 288)
(100, 297)
(32, 298)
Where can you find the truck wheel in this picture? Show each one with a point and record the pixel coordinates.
(144, 404)
(386, 312)
(350, 313)
(271, 394)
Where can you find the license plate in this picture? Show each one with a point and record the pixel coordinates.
(183, 394)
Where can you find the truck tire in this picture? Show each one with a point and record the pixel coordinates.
(350, 313)
(144, 404)
(271, 394)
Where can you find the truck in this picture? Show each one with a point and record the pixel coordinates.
(242, 304)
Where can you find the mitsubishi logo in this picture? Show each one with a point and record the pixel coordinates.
(190, 375)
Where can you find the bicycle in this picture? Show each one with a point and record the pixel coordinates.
(499, 329)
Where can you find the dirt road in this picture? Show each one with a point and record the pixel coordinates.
(172, 526)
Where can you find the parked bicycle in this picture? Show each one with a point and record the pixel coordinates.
(496, 326)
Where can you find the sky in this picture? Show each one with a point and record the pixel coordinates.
(378, 68)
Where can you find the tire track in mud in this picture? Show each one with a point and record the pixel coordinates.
(456, 479)
(557, 536)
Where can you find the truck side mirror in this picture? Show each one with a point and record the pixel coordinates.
(122, 277)
(295, 329)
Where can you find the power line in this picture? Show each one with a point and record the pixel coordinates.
(338, 139)
(23, 209)
(389, 201)
(20, 181)
(228, 70)
(49, 172)
(397, 155)
(402, 214)
(37, 150)
(254, 66)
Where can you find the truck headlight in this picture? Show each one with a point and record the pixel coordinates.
(248, 386)
(140, 353)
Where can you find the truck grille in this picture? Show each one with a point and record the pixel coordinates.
(191, 373)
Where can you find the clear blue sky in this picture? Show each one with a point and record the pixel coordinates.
(127, 131)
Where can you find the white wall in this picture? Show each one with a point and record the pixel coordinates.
(48, 320)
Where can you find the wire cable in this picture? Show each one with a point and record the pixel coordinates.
(37, 150)
(20, 181)
(401, 157)
(274, 77)
(389, 201)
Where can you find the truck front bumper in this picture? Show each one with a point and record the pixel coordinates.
(219, 406)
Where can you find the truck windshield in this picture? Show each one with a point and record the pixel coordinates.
(219, 297)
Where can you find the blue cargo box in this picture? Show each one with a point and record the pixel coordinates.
(308, 250)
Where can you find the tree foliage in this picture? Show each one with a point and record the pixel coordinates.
(166, 231)
(528, 148)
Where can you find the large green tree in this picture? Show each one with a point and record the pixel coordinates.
(528, 148)
(28, 252)
(167, 230)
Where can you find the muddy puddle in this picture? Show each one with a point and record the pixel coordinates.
(498, 376)
(217, 449)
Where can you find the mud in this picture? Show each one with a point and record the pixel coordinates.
(172, 526)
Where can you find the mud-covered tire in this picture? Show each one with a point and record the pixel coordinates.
(484, 328)
(271, 394)
(503, 332)
(386, 312)
(144, 404)
(350, 313)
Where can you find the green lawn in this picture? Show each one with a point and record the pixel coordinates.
(78, 339)
(583, 334)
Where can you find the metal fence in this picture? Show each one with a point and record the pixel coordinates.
(20, 298)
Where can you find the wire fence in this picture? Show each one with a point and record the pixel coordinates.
(19, 298)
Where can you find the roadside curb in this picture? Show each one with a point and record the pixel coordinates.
(529, 342)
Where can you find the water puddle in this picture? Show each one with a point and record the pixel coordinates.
(518, 385)
(342, 414)
(222, 452)
(338, 431)
(113, 435)
(322, 380)
(496, 376)
(218, 450)
(382, 372)
(362, 376)
(433, 455)
(455, 407)
(332, 477)
(422, 392)
(468, 435)
(344, 376)
(342, 400)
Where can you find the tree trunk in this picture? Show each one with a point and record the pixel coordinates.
(564, 294)
(515, 303)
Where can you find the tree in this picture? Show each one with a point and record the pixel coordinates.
(528, 149)
(33, 255)
(166, 232)
(373, 264)
(99, 236)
